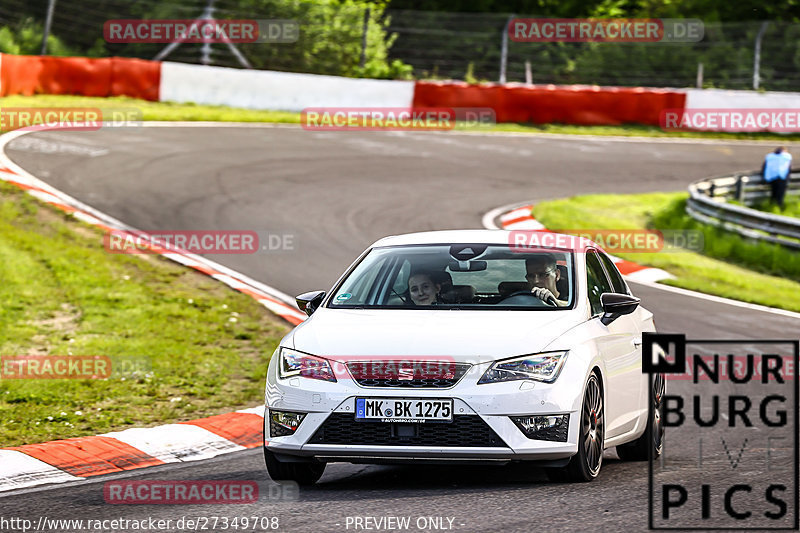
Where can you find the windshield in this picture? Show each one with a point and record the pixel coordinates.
(463, 276)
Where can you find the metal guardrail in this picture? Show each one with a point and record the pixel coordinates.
(708, 203)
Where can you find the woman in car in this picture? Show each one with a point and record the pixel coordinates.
(422, 289)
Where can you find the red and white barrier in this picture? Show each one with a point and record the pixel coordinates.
(108, 76)
(720, 98)
(544, 104)
(723, 110)
(288, 91)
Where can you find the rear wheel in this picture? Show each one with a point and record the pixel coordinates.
(301, 473)
(653, 437)
(585, 465)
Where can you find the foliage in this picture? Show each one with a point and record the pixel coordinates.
(330, 38)
(708, 10)
(26, 39)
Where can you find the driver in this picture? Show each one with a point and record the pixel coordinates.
(542, 273)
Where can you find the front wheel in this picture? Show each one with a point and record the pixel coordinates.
(585, 465)
(301, 473)
(653, 437)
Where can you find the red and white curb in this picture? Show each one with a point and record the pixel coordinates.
(82, 457)
(521, 218)
(78, 458)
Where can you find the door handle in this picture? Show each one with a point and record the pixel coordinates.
(637, 342)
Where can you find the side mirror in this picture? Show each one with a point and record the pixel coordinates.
(616, 304)
(309, 302)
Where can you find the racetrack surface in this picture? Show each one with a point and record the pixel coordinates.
(335, 193)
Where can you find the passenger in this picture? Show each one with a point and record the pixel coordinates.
(542, 274)
(422, 289)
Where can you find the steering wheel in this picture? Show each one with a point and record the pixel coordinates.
(550, 302)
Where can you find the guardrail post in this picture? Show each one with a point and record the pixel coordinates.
(741, 185)
(504, 49)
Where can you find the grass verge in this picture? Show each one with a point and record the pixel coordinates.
(791, 206)
(166, 111)
(182, 345)
(729, 265)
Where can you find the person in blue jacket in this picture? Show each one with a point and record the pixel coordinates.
(776, 169)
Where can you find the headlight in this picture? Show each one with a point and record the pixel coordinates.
(540, 367)
(293, 363)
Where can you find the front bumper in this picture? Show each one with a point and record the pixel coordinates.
(488, 405)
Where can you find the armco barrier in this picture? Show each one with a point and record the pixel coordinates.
(543, 104)
(110, 76)
(707, 204)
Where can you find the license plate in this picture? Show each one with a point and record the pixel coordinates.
(417, 410)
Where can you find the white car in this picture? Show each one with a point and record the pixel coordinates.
(466, 346)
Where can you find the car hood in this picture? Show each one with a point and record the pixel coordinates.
(463, 335)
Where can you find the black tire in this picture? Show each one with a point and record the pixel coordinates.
(585, 465)
(301, 473)
(653, 436)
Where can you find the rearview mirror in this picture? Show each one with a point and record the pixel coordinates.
(616, 304)
(308, 302)
(467, 266)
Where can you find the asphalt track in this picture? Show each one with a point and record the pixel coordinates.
(335, 193)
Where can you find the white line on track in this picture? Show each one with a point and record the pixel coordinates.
(554, 136)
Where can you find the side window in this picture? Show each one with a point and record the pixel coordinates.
(597, 283)
(401, 280)
(616, 278)
(400, 286)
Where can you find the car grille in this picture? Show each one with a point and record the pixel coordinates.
(415, 375)
(465, 430)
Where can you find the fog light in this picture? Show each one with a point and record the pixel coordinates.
(543, 427)
(283, 423)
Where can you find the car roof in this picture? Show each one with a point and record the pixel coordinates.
(538, 238)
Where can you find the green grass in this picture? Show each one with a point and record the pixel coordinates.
(729, 265)
(154, 110)
(192, 346)
(165, 111)
(791, 207)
